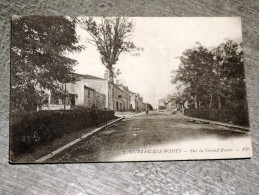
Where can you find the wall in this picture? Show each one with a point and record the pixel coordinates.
(100, 86)
(117, 98)
(134, 101)
(89, 97)
(81, 89)
(100, 93)
(78, 89)
(141, 104)
(100, 100)
(125, 97)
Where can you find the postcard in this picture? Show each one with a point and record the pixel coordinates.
(115, 89)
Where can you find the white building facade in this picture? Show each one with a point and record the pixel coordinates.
(94, 92)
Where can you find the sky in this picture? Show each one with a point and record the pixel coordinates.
(163, 39)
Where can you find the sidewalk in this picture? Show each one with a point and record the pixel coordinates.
(44, 152)
(55, 152)
(241, 128)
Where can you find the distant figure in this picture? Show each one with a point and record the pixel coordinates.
(147, 110)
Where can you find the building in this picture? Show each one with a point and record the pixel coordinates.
(167, 104)
(141, 105)
(90, 91)
(117, 98)
(161, 104)
(134, 101)
(125, 97)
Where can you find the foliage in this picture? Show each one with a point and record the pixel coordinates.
(149, 106)
(38, 61)
(34, 129)
(111, 37)
(194, 70)
(212, 78)
(232, 116)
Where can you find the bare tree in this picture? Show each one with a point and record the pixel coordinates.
(111, 36)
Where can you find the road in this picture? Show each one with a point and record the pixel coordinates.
(158, 136)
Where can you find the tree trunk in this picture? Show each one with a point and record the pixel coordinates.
(196, 100)
(30, 105)
(110, 90)
(211, 98)
(110, 95)
(65, 97)
(219, 101)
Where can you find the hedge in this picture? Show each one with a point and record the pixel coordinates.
(233, 116)
(40, 128)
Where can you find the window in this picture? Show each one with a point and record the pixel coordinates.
(89, 93)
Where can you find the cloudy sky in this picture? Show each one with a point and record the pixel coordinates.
(163, 40)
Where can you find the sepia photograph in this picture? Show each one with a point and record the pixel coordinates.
(115, 89)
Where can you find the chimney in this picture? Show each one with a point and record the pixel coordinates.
(106, 76)
(117, 82)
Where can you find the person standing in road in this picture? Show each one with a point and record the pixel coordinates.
(147, 111)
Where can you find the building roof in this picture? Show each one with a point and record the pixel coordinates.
(118, 87)
(87, 76)
(126, 88)
(133, 92)
(89, 88)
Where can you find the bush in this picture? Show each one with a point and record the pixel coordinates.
(29, 130)
(234, 116)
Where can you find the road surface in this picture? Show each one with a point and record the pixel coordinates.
(158, 136)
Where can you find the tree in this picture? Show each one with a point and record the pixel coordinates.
(38, 61)
(111, 36)
(182, 96)
(229, 69)
(194, 70)
(149, 106)
(214, 78)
